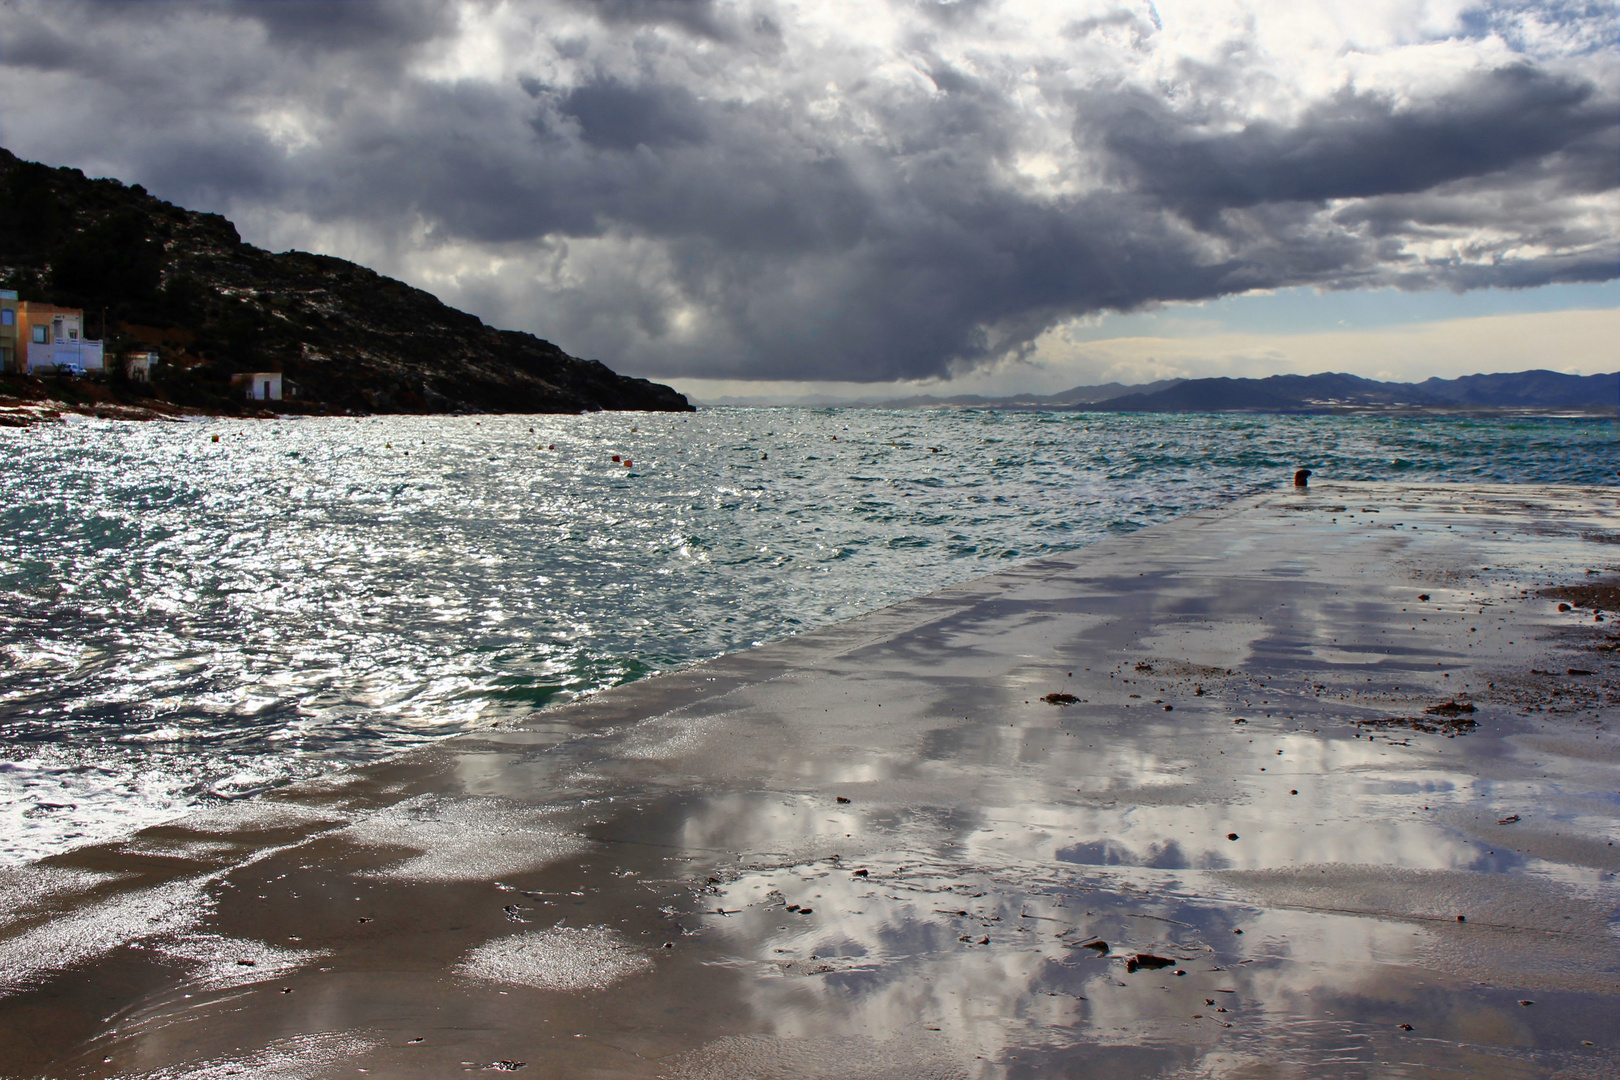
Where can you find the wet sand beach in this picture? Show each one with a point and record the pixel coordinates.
(1319, 783)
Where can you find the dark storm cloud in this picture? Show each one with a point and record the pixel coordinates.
(613, 116)
(881, 232)
(1351, 146)
(702, 18)
(348, 24)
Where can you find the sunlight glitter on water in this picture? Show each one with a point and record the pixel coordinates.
(184, 621)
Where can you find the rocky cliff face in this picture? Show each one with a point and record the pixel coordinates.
(350, 339)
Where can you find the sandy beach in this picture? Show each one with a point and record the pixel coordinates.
(1319, 783)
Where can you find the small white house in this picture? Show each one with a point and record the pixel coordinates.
(260, 385)
(139, 366)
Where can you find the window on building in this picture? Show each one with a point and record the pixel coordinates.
(8, 317)
(39, 335)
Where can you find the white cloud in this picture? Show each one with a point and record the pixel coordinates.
(757, 189)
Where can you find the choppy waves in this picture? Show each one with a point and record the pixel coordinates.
(184, 621)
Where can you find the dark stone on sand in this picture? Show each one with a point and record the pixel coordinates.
(1148, 961)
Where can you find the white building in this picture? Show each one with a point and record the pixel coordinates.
(260, 385)
(139, 366)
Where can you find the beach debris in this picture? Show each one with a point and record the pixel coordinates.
(505, 1066)
(860, 873)
(1231, 836)
(1099, 946)
(1144, 666)
(1060, 699)
(985, 940)
(1565, 607)
(1301, 477)
(1423, 596)
(1147, 960)
(1239, 720)
(1449, 726)
(1451, 708)
(1509, 820)
(1577, 671)
(1404, 1027)
(1526, 1002)
(842, 800)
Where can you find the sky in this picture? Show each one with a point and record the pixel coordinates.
(774, 199)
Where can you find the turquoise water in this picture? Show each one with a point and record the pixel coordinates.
(184, 620)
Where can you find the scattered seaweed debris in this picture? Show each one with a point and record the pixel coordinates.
(1451, 708)
(1148, 961)
(1509, 820)
(1060, 699)
(1449, 726)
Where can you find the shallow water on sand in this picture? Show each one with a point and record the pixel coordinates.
(184, 620)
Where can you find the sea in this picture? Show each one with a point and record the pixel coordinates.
(194, 612)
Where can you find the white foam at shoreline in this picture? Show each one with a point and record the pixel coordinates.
(561, 958)
(464, 840)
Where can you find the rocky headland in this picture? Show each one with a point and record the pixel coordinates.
(154, 276)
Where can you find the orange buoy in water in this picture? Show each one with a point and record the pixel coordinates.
(553, 446)
(616, 457)
(628, 463)
(216, 438)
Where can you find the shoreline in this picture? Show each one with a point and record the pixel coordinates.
(876, 849)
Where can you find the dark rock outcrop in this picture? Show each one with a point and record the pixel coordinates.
(151, 274)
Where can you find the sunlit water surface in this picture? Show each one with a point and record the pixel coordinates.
(184, 620)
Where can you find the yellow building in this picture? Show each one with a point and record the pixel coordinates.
(51, 338)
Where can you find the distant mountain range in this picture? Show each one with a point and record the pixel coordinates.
(1331, 392)
(1278, 393)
